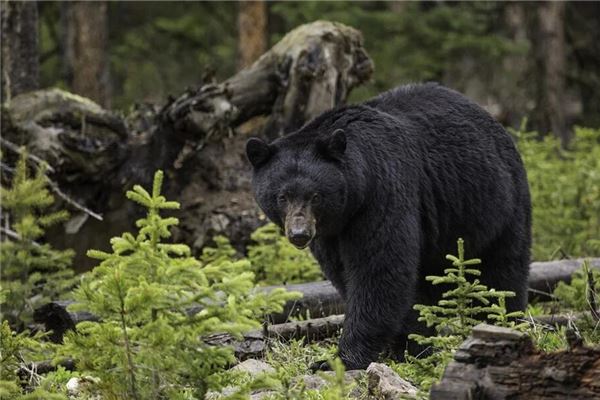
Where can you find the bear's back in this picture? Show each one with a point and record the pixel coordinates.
(434, 106)
(473, 176)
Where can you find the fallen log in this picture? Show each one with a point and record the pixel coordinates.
(95, 155)
(544, 276)
(319, 299)
(252, 345)
(255, 343)
(500, 363)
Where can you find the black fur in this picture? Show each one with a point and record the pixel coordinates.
(410, 172)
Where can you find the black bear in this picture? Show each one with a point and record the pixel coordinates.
(381, 191)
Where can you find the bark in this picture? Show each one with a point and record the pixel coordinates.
(499, 363)
(312, 69)
(551, 59)
(516, 86)
(20, 58)
(320, 299)
(86, 52)
(28, 370)
(252, 31)
(255, 343)
(97, 155)
(544, 276)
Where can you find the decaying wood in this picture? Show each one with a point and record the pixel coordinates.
(39, 163)
(559, 319)
(312, 69)
(252, 345)
(197, 138)
(544, 276)
(499, 363)
(319, 299)
(43, 367)
(255, 343)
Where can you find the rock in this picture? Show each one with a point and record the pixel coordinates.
(386, 384)
(229, 391)
(76, 385)
(314, 382)
(73, 387)
(319, 381)
(254, 367)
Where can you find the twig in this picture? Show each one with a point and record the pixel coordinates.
(591, 291)
(72, 202)
(37, 160)
(14, 235)
(541, 293)
(56, 190)
(7, 168)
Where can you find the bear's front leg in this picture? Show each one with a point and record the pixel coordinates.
(381, 292)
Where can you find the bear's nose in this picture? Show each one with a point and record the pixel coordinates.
(299, 237)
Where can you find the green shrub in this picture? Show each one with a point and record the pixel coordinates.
(32, 273)
(275, 261)
(147, 345)
(576, 295)
(565, 193)
(462, 307)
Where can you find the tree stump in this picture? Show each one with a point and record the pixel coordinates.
(197, 138)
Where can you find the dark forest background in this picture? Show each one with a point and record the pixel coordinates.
(535, 60)
(535, 66)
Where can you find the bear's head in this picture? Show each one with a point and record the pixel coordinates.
(299, 183)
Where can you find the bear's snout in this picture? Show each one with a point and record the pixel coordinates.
(299, 237)
(300, 227)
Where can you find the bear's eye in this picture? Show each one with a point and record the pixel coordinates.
(316, 199)
(281, 199)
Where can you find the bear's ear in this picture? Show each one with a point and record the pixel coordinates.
(334, 145)
(258, 151)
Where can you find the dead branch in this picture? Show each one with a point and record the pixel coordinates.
(40, 163)
(255, 343)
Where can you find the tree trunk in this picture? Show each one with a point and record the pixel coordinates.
(498, 363)
(252, 31)
(86, 50)
(516, 85)
(97, 155)
(551, 70)
(20, 58)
